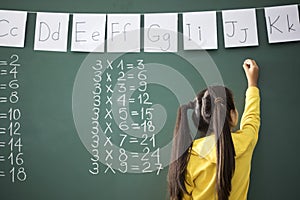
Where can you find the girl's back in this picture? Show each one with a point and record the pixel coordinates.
(201, 169)
(216, 166)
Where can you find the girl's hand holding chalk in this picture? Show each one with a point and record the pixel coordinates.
(251, 71)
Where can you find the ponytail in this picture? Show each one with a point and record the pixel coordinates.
(182, 141)
(225, 154)
(218, 110)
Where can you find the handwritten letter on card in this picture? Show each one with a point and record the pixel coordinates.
(240, 28)
(123, 32)
(88, 32)
(51, 32)
(12, 28)
(283, 23)
(200, 30)
(160, 34)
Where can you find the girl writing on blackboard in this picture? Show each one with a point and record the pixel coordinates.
(216, 166)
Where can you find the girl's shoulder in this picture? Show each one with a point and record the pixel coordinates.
(205, 147)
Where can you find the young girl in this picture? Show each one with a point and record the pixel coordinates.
(216, 166)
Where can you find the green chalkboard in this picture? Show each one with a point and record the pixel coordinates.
(55, 111)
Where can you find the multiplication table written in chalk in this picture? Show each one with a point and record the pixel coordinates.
(123, 109)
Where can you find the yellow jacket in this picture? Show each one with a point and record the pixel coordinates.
(201, 169)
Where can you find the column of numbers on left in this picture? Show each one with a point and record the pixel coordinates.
(11, 145)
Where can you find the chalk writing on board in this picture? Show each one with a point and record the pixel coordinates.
(11, 134)
(95, 117)
(133, 101)
(109, 131)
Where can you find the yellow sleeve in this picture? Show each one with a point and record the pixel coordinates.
(250, 121)
(189, 185)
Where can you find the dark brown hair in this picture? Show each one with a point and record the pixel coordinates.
(211, 115)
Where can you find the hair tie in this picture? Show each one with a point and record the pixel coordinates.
(197, 109)
(190, 105)
(219, 100)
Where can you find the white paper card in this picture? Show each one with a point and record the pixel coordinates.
(12, 28)
(51, 32)
(88, 32)
(240, 28)
(283, 23)
(123, 32)
(160, 33)
(200, 30)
